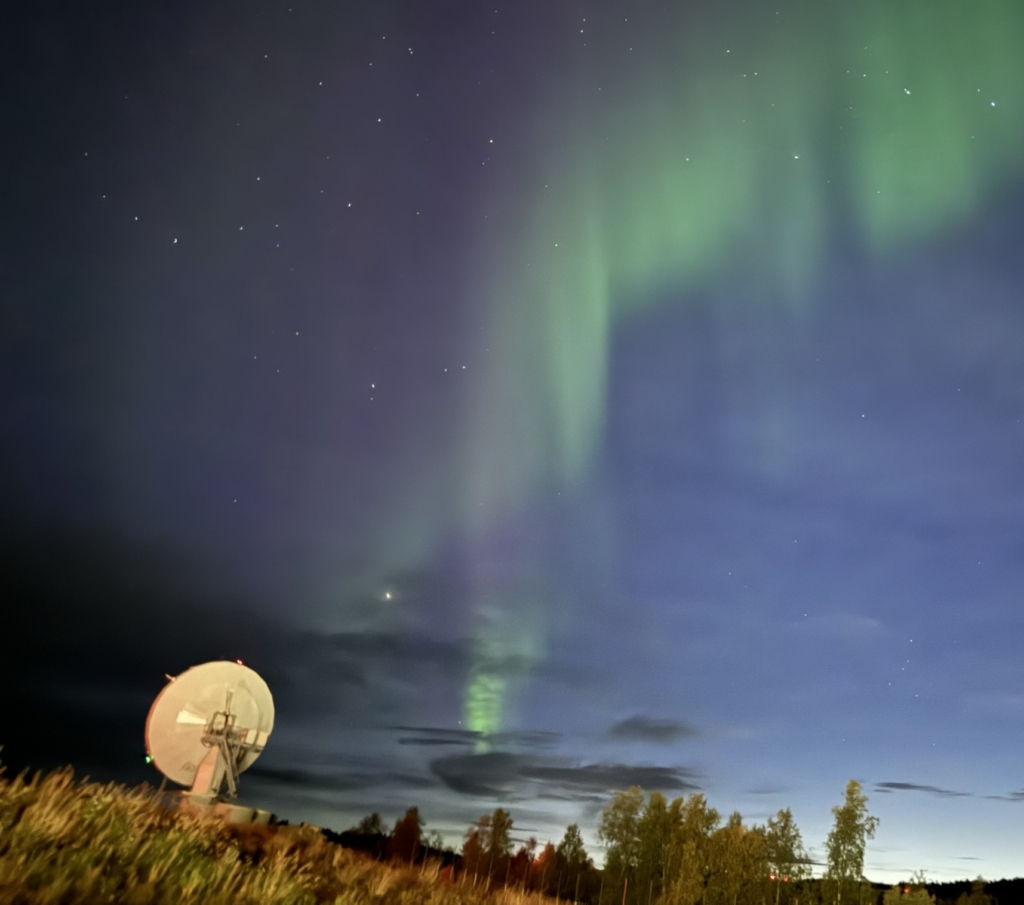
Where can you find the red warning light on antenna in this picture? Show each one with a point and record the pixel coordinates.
(239, 662)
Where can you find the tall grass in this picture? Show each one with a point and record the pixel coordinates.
(64, 842)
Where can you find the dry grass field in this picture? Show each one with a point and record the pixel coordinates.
(83, 843)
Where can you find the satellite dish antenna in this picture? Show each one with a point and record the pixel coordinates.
(208, 725)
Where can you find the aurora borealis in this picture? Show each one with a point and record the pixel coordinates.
(543, 399)
(757, 141)
(731, 149)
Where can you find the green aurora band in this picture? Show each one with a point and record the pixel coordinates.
(722, 147)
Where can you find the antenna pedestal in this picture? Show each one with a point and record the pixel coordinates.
(227, 811)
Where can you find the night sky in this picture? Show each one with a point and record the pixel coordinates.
(543, 397)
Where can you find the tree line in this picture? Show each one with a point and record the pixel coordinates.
(683, 853)
(661, 852)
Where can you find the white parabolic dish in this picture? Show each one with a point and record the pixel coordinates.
(181, 712)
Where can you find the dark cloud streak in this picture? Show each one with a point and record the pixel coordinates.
(646, 729)
(917, 787)
(503, 774)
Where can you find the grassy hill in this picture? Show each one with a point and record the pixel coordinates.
(69, 842)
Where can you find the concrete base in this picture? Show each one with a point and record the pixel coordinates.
(227, 811)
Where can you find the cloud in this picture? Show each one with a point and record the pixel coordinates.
(917, 787)
(647, 729)
(408, 647)
(358, 658)
(504, 774)
(491, 774)
(336, 781)
(530, 739)
(1011, 796)
(428, 736)
(434, 742)
(767, 790)
(611, 777)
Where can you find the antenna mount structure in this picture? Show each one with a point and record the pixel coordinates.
(209, 725)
